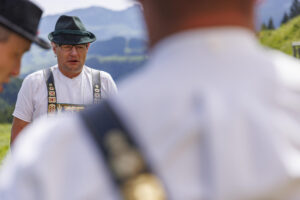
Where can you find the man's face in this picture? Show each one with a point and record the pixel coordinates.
(70, 58)
(11, 52)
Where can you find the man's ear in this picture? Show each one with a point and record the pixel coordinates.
(88, 46)
(54, 46)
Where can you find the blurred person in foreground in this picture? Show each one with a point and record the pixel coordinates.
(19, 20)
(69, 85)
(213, 115)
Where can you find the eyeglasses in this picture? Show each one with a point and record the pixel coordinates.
(78, 47)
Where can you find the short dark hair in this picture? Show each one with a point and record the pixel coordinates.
(4, 33)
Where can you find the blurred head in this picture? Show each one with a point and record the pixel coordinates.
(70, 42)
(166, 17)
(19, 20)
(12, 48)
(70, 58)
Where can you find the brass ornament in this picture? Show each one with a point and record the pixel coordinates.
(130, 168)
(59, 108)
(144, 187)
(125, 160)
(127, 164)
(70, 108)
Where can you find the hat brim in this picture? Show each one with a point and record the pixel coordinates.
(71, 39)
(29, 36)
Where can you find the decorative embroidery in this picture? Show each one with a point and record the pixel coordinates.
(52, 93)
(52, 99)
(69, 108)
(53, 106)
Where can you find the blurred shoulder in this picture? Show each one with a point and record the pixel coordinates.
(104, 75)
(287, 68)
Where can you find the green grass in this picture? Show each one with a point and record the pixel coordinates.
(283, 37)
(4, 139)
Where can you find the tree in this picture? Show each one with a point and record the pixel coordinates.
(271, 24)
(6, 111)
(295, 9)
(285, 18)
(263, 27)
(11, 90)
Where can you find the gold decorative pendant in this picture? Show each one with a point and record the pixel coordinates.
(144, 187)
(130, 168)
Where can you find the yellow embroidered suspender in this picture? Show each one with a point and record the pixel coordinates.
(52, 101)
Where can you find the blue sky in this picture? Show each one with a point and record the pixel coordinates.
(59, 6)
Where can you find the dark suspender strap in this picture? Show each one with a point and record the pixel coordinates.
(130, 171)
(52, 101)
(96, 82)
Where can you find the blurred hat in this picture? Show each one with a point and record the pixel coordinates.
(22, 17)
(70, 30)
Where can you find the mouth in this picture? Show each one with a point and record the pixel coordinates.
(73, 61)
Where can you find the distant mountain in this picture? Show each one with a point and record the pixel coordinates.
(119, 34)
(104, 23)
(274, 9)
(129, 23)
(117, 55)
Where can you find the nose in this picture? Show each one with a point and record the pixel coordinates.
(73, 50)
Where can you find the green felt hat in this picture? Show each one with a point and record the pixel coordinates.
(70, 30)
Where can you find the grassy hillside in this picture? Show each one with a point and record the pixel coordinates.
(282, 37)
(4, 140)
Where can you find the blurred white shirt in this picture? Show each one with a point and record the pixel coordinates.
(217, 115)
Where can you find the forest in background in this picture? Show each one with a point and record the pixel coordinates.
(8, 99)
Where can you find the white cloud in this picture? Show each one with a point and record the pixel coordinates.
(59, 6)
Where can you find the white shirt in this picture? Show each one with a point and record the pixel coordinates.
(217, 115)
(32, 99)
